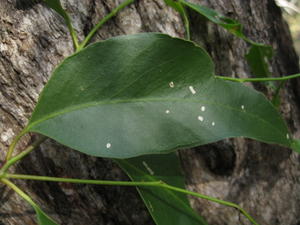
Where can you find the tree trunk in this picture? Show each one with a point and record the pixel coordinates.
(263, 179)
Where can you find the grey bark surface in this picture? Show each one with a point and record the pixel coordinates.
(264, 179)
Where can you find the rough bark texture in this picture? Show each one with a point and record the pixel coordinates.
(264, 179)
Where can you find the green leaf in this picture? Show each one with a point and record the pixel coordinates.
(296, 145)
(165, 206)
(229, 24)
(276, 98)
(176, 6)
(258, 55)
(43, 218)
(258, 59)
(148, 94)
(56, 6)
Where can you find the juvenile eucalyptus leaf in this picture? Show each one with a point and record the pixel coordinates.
(148, 94)
(258, 55)
(165, 206)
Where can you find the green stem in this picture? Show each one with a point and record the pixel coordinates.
(132, 183)
(187, 26)
(101, 22)
(264, 79)
(13, 145)
(222, 202)
(73, 36)
(83, 181)
(18, 157)
(19, 191)
(186, 23)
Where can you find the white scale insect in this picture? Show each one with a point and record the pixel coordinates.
(200, 118)
(193, 91)
(171, 84)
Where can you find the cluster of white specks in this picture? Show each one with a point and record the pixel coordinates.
(287, 136)
(213, 123)
(148, 168)
(171, 84)
(200, 118)
(108, 145)
(192, 90)
(203, 108)
(167, 111)
(242, 107)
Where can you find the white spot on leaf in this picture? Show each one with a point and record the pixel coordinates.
(192, 90)
(167, 111)
(108, 145)
(202, 108)
(148, 168)
(242, 107)
(171, 84)
(200, 118)
(287, 136)
(213, 124)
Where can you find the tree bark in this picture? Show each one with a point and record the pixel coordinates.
(263, 179)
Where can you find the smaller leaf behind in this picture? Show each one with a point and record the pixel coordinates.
(57, 7)
(258, 58)
(258, 55)
(296, 145)
(176, 6)
(165, 206)
(43, 218)
(229, 24)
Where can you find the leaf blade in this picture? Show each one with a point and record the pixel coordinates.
(258, 57)
(43, 218)
(166, 207)
(147, 97)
